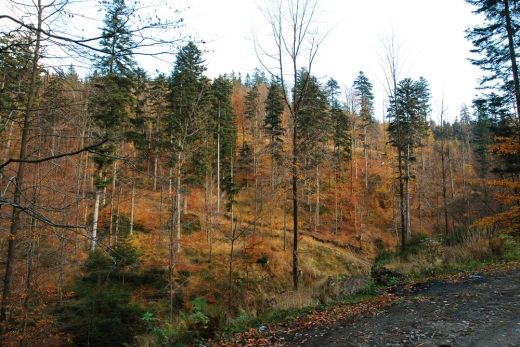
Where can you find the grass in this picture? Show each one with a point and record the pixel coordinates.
(429, 258)
(463, 252)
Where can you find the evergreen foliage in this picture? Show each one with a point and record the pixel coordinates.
(223, 115)
(407, 114)
(365, 98)
(274, 109)
(189, 97)
(496, 43)
(313, 123)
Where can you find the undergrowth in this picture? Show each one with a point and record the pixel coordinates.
(426, 258)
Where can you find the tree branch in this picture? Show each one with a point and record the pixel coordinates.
(34, 161)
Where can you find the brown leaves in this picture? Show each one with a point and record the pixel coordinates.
(275, 335)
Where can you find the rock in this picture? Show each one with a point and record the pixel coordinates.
(385, 277)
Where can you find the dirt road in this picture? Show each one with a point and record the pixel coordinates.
(479, 310)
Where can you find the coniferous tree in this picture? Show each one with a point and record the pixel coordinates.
(314, 119)
(254, 111)
(408, 124)
(496, 43)
(313, 128)
(342, 147)
(188, 97)
(248, 152)
(365, 99)
(483, 135)
(224, 117)
(274, 109)
(158, 106)
(113, 102)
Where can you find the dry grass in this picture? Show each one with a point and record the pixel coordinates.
(294, 300)
(434, 254)
(476, 247)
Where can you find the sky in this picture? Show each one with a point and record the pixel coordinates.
(431, 33)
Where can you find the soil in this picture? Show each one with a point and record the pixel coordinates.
(478, 310)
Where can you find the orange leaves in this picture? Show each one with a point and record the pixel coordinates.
(508, 190)
(505, 145)
(274, 335)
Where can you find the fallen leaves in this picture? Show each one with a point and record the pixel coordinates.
(276, 335)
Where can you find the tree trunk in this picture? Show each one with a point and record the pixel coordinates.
(132, 206)
(285, 222)
(444, 179)
(336, 221)
(19, 182)
(95, 218)
(294, 170)
(111, 228)
(178, 205)
(218, 161)
(317, 221)
(365, 154)
(407, 192)
(118, 215)
(512, 53)
(155, 167)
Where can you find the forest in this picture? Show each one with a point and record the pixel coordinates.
(167, 209)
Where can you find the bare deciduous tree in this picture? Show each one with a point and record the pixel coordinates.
(295, 41)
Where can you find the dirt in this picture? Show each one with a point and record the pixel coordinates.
(478, 310)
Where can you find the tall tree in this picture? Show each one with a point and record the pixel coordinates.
(224, 117)
(496, 41)
(365, 99)
(189, 97)
(188, 102)
(313, 128)
(407, 114)
(342, 148)
(296, 43)
(113, 102)
(274, 109)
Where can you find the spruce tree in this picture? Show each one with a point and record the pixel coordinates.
(113, 102)
(365, 100)
(224, 118)
(313, 128)
(188, 99)
(274, 109)
(313, 122)
(408, 124)
(496, 43)
(249, 150)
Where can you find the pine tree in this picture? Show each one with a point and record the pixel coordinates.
(274, 109)
(365, 100)
(313, 127)
(224, 117)
(113, 102)
(188, 97)
(495, 41)
(313, 123)
(248, 151)
(408, 124)
(342, 145)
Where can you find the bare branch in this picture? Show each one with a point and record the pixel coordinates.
(34, 161)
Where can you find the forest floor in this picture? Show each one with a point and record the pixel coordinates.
(478, 310)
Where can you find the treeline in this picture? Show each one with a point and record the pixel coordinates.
(124, 193)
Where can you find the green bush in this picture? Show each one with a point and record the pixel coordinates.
(384, 257)
(414, 245)
(456, 237)
(98, 260)
(101, 317)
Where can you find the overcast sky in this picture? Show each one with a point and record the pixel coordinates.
(432, 35)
